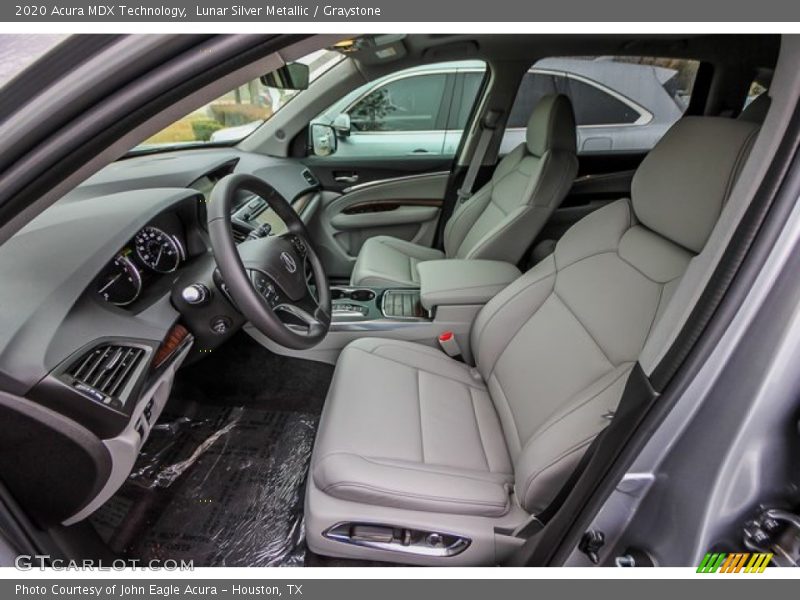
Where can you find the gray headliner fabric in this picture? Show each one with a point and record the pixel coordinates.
(501, 220)
(553, 352)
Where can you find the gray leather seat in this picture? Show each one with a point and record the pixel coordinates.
(415, 440)
(500, 220)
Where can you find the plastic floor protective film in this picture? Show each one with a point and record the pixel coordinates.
(224, 488)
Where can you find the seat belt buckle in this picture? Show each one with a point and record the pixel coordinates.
(449, 345)
(463, 195)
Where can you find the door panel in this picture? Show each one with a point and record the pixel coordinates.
(337, 173)
(407, 208)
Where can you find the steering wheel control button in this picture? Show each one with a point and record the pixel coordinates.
(264, 286)
(298, 245)
(221, 325)
(196, 293)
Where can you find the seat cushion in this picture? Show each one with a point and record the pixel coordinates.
(386, 261)
(405, 426)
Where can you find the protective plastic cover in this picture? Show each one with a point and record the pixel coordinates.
(224, 488)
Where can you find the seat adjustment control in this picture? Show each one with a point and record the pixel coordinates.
(398, 539)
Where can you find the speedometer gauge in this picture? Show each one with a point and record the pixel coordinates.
(157, 250)
(121, 281)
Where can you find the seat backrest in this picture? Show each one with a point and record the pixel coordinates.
(556, 346)
(501, 220)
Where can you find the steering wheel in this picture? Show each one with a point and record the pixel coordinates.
(268, 277)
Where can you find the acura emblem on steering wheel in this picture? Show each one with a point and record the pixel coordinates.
(288, 262)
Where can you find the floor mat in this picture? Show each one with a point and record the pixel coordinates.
(224, 488)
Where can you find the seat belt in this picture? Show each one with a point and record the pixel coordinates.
(488, 127)
(630, 410)
(637, 400)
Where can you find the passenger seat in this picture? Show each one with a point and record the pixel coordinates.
(501, 220)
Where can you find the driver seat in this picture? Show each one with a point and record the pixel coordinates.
(422, 459)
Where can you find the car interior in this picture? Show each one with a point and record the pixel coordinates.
(260, 352)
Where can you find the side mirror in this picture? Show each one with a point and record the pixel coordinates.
(294, 76)
(342, 124)
(323, 139)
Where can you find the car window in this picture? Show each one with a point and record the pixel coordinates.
(235, 115)
(416, 113)
(594, 106)
(412, 103)
(622, 104)
(756, 89)
(532, 88)
(472, 85)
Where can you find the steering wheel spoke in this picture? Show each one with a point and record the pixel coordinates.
(313, 322)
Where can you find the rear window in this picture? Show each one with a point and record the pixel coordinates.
(612, 94)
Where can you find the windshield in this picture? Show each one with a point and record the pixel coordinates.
(235, 115)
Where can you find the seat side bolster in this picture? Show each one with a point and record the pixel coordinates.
(548, 457)
(411, 486)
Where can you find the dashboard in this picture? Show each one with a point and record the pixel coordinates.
(93, 325)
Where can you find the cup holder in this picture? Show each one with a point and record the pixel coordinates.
(362, 295)
(358, 295)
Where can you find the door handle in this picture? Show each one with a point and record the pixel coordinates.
(419, 151)
(346, 178)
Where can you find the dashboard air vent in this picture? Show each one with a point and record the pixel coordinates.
(309, 177)
(238, 235)
(103, 372)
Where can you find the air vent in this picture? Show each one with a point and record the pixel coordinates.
(238, 235)
(309, 177)
(103, 372)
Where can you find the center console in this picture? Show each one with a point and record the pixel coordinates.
(450, 295)
(370, 303)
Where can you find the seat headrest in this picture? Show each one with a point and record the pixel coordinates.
(681, 186)
(551, 126)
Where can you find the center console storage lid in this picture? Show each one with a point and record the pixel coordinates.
(455, 281)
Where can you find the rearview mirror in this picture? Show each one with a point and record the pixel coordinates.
(294, 76)
(342, 124)
(323, 139)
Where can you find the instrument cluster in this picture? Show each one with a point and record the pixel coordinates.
(155, 250)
